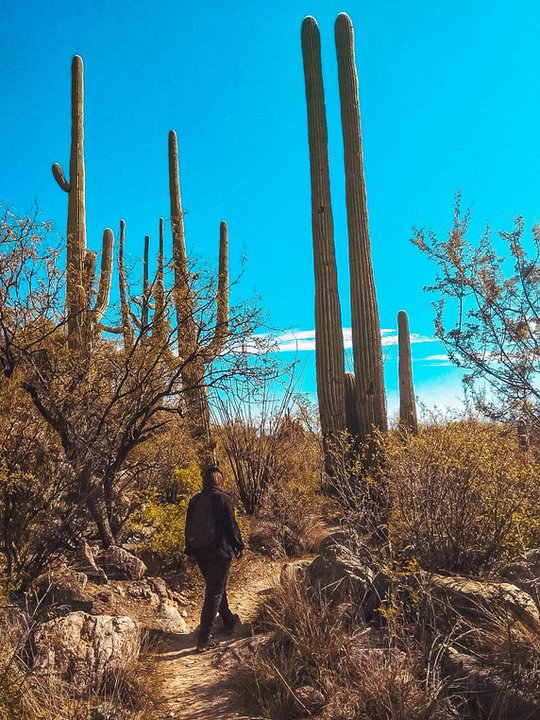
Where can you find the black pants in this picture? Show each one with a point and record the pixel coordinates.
(214, 567)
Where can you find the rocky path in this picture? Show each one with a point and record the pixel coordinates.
(201, 686)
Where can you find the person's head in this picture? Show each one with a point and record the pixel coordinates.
(213, 478)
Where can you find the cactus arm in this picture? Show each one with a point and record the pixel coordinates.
(60, 177)
(367, 348)
(122, 286)
(105, 275)
(407, 404)
(146, 285)
(222, 299)
(329, 352)
(161, 328)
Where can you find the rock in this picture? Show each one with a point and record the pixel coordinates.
(86, 564)
(140, 590)
(293, 571)
(481, 599)
(159, 586)
(171, 620)
(82, 648)
(491, 693)
(108, 711)
(64, 587)
(119, 564)
(310, 698)
(524, 573)
(342, 575)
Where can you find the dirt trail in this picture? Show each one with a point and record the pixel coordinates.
(193, 685)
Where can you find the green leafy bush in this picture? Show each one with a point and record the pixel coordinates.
(162, 523)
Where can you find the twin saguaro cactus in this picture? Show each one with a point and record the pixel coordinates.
(353, 402)
(83, 320)
(192, 353)
(407, 405)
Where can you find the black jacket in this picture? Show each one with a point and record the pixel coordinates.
(227, 533)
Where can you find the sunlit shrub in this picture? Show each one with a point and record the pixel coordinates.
(463, 494)
(162, 523)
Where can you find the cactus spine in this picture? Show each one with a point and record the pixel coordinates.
(407, 403)
(83, 321)
(353, 402)
(191, 353)
(329, 335)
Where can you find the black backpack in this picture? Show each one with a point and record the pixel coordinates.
(201, 523)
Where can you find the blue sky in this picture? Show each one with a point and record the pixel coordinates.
(449, 97)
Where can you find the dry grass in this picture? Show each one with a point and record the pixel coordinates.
(316, 664)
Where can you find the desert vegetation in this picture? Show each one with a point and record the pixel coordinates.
(409, 555)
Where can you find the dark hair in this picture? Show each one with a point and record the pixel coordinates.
(213, 478)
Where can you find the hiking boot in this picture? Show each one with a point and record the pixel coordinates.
(209, 644)
(229, 626)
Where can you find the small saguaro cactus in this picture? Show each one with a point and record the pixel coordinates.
(329, 351)
(407, 404)
(83, 320)
(191, 353)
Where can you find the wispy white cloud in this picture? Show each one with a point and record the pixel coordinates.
(304, 340)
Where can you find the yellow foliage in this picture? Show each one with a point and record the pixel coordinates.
(463, 494)
(164, 523)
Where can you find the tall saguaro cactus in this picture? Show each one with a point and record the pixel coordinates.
(407, 404)
(191, 353)
(366, 335)
(80, 262)
(353, 402)
(329, 336)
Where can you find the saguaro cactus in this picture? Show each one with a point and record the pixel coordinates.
(80, 265)
(366, 335)
(362, 406)
(407, 404)
(329, 335)
(191, 353)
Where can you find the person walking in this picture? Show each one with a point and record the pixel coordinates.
(213, 538)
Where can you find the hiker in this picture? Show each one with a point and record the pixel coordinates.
(212, 539)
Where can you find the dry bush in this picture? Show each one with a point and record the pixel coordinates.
(356, 485)
(288, 521)
(463, 495)
(313, 646)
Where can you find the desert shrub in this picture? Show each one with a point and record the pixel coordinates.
(37, 516)
(314, 655)
(463, 494)
(355, 483)
(161, 524)
(289, 522)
